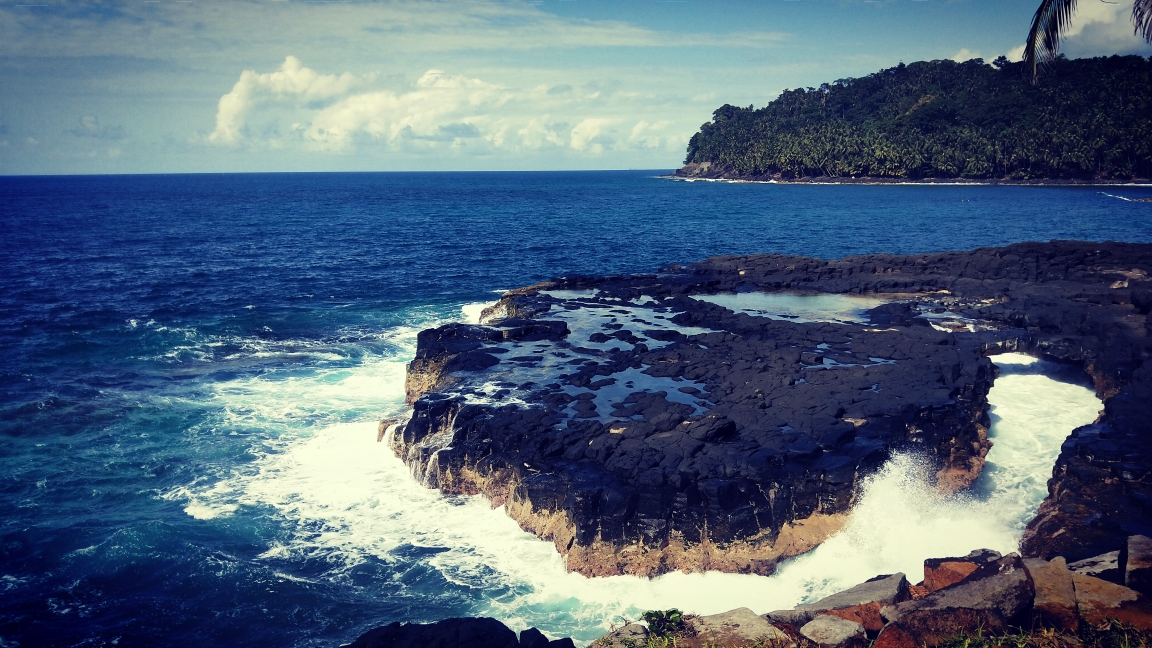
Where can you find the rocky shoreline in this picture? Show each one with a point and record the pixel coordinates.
(973, 596)
(709, 171)
(643, 428)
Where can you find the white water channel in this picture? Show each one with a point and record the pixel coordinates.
(348, 497)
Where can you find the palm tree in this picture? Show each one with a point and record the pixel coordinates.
(1051, 21)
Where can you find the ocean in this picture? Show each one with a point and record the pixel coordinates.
(193, 367)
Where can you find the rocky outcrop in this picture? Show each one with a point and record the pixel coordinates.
(644, 430)
(455, 633)
(995, 595)
(988, 602)
(860, 604)
(827, 631)
(739, 627)
(1138, 564)
(1055, 603)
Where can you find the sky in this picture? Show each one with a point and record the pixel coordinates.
(195, 86)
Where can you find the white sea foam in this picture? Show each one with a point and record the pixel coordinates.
(792, 307)
(472, 311)
(342, 497)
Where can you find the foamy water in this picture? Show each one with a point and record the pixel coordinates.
(344, 498)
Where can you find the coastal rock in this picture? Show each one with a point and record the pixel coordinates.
(449, 633)
(734, 629)
(1105, 567)
(834, 632)
(1055, 601)
(987, 604)
(795, 618)
(944, 572)
(1138, 565)
(1098, 601)
(533, 638)
(861, 604)
(643, 428)
(631, 635)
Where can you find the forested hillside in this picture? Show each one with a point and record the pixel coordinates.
(1088, 119)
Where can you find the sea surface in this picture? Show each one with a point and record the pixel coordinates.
(192, 368)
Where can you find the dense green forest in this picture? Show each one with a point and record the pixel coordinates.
(1088, 119)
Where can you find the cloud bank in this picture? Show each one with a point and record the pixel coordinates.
(295, 106)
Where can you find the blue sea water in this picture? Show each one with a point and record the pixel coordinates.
(192, 367)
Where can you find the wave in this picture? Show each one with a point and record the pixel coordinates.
(339, 496)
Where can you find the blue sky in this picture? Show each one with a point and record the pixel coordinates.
(288, 85)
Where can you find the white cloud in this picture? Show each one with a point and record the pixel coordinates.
(292, 81)
(652, 135)
(1097, 28)
(436, 108)
(965, 54)
(295, 107)
(1100, 27)
(587, 135)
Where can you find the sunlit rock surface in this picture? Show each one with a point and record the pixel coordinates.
(721, 416)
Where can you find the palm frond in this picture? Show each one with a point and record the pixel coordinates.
(1142, 19)
(1048, 26)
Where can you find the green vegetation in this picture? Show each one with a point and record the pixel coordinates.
(1113, 634)
(664, 624)
(1090, 119)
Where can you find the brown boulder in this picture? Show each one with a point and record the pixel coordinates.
(945, 572)
(862, 603)
(834, 632)
(1098, 601)
(1138, 566)
(1055, 601)
(739, 627)
(988, 603)
(867, 615)
(894, 636)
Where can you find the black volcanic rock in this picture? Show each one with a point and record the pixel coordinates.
(468, 632)
(644, 430)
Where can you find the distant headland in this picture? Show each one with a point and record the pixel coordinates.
(1087, 122)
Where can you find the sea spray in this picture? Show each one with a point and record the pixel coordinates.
(347, 500)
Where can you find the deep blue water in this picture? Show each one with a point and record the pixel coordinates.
(191, 368)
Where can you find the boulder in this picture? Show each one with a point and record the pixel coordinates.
(533, 638)
(630, 636)
(862, 603)
(449, 633)
(944, 572)
(1099, 600)
(739, 627)
(988, 603)
(829, 631)
(1105, 567)
(795, 618)
(1055, 601)
(1138, 566)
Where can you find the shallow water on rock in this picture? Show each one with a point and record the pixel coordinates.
(795, 307)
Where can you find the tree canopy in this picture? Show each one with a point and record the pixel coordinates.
(1090, 119)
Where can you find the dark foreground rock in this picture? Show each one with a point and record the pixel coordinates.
(643, 429)
(455, 633)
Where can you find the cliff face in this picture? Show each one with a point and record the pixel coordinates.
(643, 430)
